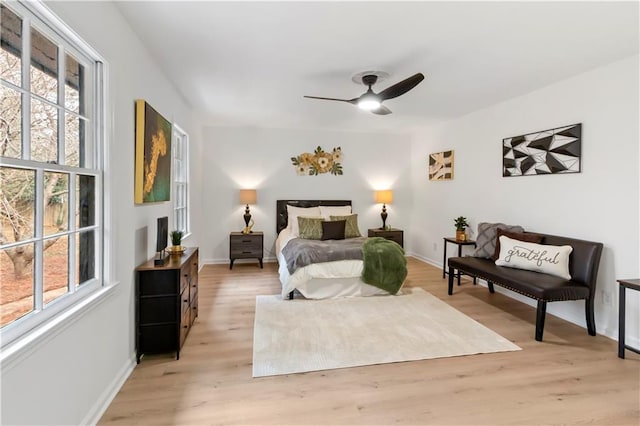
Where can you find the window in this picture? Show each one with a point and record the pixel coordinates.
(51, 223)
(180, 151)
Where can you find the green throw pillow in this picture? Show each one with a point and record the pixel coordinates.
(310, 228)
(351, 229)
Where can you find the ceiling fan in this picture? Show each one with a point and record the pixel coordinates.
(371, 101)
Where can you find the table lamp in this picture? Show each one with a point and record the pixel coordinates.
(247, 196)
(385, 197)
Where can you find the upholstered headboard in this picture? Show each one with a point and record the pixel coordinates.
(281, 208)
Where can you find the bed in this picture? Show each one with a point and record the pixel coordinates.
(332, 279)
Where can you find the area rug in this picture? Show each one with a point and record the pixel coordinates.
(295, 336)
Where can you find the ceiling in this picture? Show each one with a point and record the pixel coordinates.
(250, 63)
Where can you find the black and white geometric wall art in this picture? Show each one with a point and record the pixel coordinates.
(541, 153)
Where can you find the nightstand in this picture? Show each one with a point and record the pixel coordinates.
(392, 234)
(245, 246)
(459, 243)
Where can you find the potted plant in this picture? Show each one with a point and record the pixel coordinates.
(176, 240)
(461, 224)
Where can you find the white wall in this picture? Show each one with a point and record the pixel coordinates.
(69, 376)
(600, 204)
(238, 158)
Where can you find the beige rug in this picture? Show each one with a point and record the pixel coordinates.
(295, 336)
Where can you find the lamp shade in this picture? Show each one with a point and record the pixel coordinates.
(248, 196)
(384, 197)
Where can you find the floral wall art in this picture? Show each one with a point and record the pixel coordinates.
(320, 161)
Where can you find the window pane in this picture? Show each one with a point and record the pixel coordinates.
(74, 85)
(10, 123)
(56, 268)
(56, 202)
(85, 257)
(17, 203)
(44, 132)
(72, 140)
(11, 42)
(44, 66)
(16, 283)
(85, 201)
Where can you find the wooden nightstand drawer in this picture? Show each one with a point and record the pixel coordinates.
(392, 234)
(246, 246)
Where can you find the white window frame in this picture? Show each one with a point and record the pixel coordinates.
(180, 170)
(37, 15)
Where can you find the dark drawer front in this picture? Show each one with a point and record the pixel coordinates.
(154, 310)
(158, 338)
(154, 283)
(394, 237)
(246, 246)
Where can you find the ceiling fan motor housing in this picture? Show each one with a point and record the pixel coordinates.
(369, 79)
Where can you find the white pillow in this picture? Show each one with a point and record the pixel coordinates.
(552, 260)
(294, 212)
(327, 211)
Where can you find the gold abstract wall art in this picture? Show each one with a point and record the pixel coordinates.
(153, 155)
(441, 165)
(308, 164)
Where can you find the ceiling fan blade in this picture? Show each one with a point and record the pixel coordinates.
(401, 88)
(351, 101)
(381, 110)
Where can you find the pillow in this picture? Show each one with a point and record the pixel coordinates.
(333, 230)
(520, 236)
(327, 211)
(552, 260)
(294, 212)
(486, 239)
(351, 229)
(310, 227)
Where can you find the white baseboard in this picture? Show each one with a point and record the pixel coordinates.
(110, 392)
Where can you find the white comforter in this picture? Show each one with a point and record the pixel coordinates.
(322, 280)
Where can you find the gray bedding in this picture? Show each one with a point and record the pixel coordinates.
(300, 252)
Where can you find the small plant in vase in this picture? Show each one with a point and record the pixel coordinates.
(461, 225)
(176, 240)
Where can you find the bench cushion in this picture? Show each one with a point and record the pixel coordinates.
(533, 284)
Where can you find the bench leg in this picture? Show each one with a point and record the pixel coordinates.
(542, 310)
(451, 274)
(490, 285)
(591, 321)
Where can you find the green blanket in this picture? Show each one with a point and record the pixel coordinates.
(384, 266)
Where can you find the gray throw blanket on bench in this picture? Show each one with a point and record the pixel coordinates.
(384, 262)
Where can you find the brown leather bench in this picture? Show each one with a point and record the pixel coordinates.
(584, 261)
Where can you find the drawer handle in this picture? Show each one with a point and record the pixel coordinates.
(194, 286)
(185, 326)
(246, 252)
(246, 241)
(186, 300)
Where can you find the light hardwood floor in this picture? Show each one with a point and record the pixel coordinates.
(569, 378)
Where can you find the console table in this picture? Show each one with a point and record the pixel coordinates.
(632, 285)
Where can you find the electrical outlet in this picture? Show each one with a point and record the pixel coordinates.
(435, 246)
(606, 298)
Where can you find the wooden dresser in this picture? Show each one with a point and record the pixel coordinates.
(166, 303)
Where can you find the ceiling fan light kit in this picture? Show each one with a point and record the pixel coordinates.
(371, 101)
